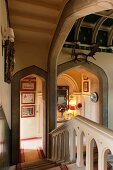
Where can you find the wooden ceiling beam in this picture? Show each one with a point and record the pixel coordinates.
(33, 29)
(27, 15)
(45, 4)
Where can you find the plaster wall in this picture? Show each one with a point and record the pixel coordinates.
(28, 54)
(33, 126)
(103, 60)
(5, 88)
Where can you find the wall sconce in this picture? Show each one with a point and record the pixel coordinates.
(8, 34)
(8, 51)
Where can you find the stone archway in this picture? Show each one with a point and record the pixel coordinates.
(103, 85)
(15, 106)
(73, 10)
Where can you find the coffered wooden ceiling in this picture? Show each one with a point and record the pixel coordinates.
(35, 21)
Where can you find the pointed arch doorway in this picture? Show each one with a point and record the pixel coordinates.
(32, 109)
(15, 106)
(102, 85)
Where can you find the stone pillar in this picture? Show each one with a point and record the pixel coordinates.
(102, 158)
(89, 154)
(51, 103)
(53, 147)
(62, 147)
(55, 153)
(59, 147)
(72, 148)
(66, 146)
(79, 149)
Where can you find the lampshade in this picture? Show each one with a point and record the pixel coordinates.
(10, 34)
(72, 104)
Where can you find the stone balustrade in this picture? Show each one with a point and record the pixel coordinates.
(70, 139)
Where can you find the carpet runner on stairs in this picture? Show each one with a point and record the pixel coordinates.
(27, 155)
(40, 165)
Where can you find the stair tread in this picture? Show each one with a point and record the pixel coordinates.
(36, 165)
(40, 168)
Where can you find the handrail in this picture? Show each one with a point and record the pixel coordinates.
(68, 142)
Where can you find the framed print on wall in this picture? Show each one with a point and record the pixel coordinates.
(28, 85)
(86, 86)
(27, 111)
(27, 97)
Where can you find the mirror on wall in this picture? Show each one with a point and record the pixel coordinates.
(62, 98)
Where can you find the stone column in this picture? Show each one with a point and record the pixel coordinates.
(72, 148)
(66, 138)
(102, 158)
(79, 149)
(53, 147)
(89, 154)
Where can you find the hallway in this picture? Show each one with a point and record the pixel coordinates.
(39, 41)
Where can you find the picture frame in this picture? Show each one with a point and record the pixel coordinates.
(27, 111)
(27, 97)
(86, 86)
(29, 85)
(62, 98)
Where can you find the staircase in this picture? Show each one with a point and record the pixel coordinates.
(36, 165)
(68, 147)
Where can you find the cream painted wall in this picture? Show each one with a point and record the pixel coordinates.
(27, 54)
(5, 88)
(105, 61)
(33, 126)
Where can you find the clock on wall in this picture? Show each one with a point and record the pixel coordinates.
(94, 97)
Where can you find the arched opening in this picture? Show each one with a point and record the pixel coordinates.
(93, 155)
(15, 85)
(70, 16)
(89, 79)
(108, 159)
(32, 109)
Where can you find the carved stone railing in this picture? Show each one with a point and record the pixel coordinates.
(70, 139)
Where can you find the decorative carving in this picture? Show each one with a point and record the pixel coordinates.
(80, 56)
(8, 60)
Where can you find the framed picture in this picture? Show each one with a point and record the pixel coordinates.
(86, 86)
(27, 111)
(28, 85)
(62, 98)
(27, 97)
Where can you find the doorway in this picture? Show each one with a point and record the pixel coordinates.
(32, 108)
(15, 106)
(85, 85)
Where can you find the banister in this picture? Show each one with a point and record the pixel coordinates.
(76, 128)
